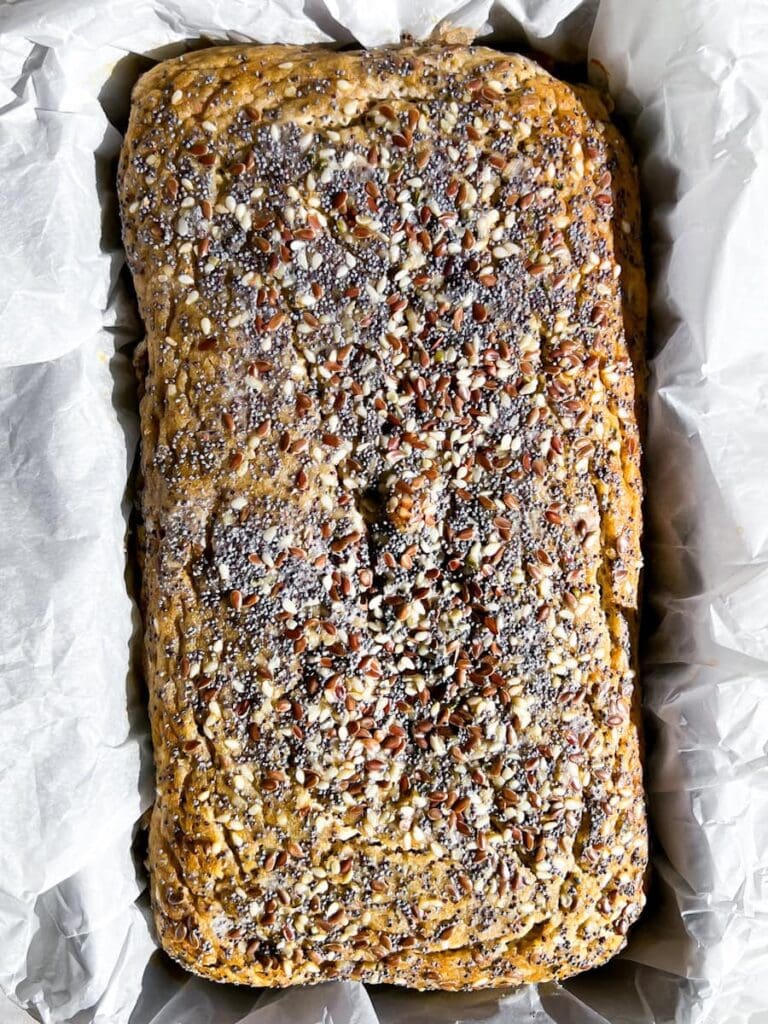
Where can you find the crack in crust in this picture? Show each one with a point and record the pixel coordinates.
(395, 309)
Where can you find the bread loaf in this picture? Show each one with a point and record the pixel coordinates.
(394, 308)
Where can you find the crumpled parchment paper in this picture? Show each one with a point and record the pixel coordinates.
(690, 79)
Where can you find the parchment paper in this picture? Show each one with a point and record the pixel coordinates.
(690, 77)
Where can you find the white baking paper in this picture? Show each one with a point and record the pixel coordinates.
(690, 79)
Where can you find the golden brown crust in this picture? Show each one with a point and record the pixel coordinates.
(392, 514)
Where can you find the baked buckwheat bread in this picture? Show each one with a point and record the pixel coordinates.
(394, 306)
